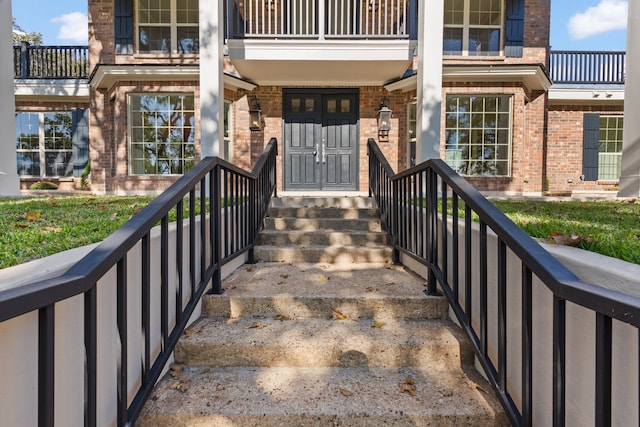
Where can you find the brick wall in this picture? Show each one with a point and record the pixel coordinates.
(564, 148)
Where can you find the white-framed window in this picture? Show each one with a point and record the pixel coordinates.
(168, 26)
(411, 134)
(610, 148)
(473, 27)
(478, 134)
(44, 144)
(161, 133)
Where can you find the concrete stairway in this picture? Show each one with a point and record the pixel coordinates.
(323, 331)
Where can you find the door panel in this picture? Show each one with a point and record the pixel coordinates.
(320, 141)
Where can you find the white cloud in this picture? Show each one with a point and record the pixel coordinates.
(608, 15)
(73, 27)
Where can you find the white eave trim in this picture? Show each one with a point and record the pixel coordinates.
(106, 76)
(532, 76)
(51, 90)
(585, 95)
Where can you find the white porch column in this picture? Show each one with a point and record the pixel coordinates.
(630, 176)
(429, 99)
(211, 76)
(9, 180)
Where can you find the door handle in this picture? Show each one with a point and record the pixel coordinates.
(324, 154)
(315, 153)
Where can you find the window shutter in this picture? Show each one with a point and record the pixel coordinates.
(590, 146)
(123, 21)
(80, 132)
(514, 29)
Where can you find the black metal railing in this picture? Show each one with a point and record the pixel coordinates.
(576, 67)
(483, 266)
(225, 208)
(50, 62)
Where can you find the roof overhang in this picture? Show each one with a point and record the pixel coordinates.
(532, 76)
(106, 76)
(595, 95)
(321, 62)
(51, 90)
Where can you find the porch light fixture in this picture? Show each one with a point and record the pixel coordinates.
(254, 115)
(384, 117)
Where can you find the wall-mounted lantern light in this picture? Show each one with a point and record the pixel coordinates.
(384, 117)
(254, 115)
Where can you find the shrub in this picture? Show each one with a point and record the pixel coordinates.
(44, 185)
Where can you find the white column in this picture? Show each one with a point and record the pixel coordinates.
(630, 176)
(211, 76)
(9, 180)
(429, 97)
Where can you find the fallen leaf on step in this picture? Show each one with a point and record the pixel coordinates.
(189, 332)
(377, 324)
(284, 276)
(175, 370)
(281, 317)
(388, 267)
(481, 389)
(181, 385)
(345, 392)
(322, 278)
(371, 289)
(337, 315)
(250, 268)
(408, 387)
(257, 325)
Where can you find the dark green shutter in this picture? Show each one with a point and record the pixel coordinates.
(123, 21)
(590, 146)
(80, 129)
(514, 29)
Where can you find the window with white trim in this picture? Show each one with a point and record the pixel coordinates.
(610, 148)
(44, 144)
(168, 26)
(161, 134)
(478, 134)
(473, 27)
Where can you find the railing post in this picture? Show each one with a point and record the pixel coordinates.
(252, 219)
(24, 59)
(395, 256)
(216, 280)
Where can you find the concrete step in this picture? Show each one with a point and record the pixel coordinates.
(307, 290)
(347, 213)
(335, 254)
(324, 224)
(304, 343)
(286, 396)
(323, 202)
(307, 238)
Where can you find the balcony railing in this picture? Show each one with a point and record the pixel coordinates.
(320, 19)
(574, 67)
(50, 62)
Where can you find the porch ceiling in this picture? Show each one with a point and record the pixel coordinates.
(313, 62)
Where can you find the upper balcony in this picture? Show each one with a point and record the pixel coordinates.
(56, 73)
(320, 41)
(587, 77)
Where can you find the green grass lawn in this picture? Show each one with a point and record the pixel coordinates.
(32, 228)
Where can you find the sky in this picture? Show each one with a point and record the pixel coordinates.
(575, 24)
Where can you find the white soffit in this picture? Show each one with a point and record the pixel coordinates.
(585, 95)
(106, 76)
(51, 90)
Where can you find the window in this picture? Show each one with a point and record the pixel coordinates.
(226, 153)
(168, 26)
(472, 27)
(411, 134)
(161, 133)
(478, 135)
(610, 148)
(44, 144)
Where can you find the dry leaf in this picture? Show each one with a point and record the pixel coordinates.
(281, 317)
(377, 324)
(371, 289)
(179, 385)
(175, 370)
(481, 389)
(345, 392)
(389, 267)
(250, 268)
(410, 381)
(189, 332)
(408, 388)
(33, 216)
(284, 276)
(337, 315)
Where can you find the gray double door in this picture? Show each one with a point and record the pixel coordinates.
(320, 140)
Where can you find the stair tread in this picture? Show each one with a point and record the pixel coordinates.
(320, 396)
(323, 342)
